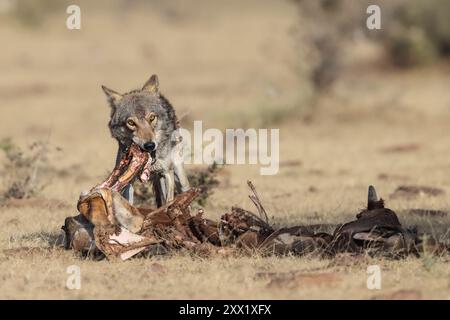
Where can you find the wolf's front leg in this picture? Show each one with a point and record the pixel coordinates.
(181, 180)
(177, 156)
(128, 191)
(169, 185)
(164, 188)
(158, 190)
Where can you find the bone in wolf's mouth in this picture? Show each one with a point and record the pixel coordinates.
(152, 153)
(135, 161)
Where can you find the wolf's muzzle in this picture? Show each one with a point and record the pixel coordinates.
(149, 146)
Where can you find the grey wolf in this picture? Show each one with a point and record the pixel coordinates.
(147, 118)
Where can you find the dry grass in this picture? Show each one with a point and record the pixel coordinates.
(214, 65)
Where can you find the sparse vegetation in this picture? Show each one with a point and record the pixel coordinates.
(326, 27)
(417, 32)
(413, 33)
(204, 178)
(21, 172)
(31, 13)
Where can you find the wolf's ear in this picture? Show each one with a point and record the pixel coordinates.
(152, 85)
(113, 96)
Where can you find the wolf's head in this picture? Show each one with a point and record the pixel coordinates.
(143, 116)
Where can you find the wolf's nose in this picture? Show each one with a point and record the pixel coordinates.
(149, 146)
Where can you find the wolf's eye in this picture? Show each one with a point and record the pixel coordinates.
(131, 123)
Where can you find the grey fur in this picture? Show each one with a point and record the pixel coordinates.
(168, 174)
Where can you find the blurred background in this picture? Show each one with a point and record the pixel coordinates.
(344, 97)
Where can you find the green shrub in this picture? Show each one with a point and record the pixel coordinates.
(418, 32)
(410, 47)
